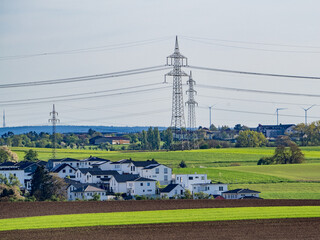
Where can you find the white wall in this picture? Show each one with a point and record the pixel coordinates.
(18, 173)
(214, 189)
(176, 191)
(161, 173)
(186, 180)
(141, 187)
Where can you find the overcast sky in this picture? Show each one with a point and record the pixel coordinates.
(269, 36)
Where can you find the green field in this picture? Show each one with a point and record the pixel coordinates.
(295, 172)
(296, 190)
(229, 176)
(194, 158)
(160, 216)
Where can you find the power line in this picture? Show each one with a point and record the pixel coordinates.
(254, 73)
(252, 112)
(88, 97)
(258, 91)
(255, 100)
(85, 50)
(87, 78)
(77, 94)
(251, 48)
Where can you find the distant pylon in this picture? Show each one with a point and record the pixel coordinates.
(177, 60)
(4, 118)
(54, 121)
(191, 103)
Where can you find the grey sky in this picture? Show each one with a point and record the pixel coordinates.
(32, 27)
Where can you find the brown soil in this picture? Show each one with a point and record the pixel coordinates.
(293, 229)
(27, 209)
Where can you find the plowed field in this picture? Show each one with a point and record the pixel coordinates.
(285, 229)
(28, 209)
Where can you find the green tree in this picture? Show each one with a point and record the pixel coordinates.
(144, 140)
(182, 164)
(250, 138)
(150, 137)
(7, 155)
(168, 138)
(45, 186)
(96, 197)
(31, 155)
(157, 140)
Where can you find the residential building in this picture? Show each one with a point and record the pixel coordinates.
(187, 180)
(240, 193)
(112, 140)
(209, 188)
(274, 131)
(172, 190)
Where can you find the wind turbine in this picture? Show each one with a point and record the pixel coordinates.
(278, 114)
(306, 113)
(210, 107)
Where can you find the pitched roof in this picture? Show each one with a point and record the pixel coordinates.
(169, 188)
(122, 161)
(144, 163)
(88, 188)
(7, 164)
(91, 158)
(126, 177)
(97, 171)
(152, 166)
(142, 179)
(251, 197)
(241, 190)
(59, 167)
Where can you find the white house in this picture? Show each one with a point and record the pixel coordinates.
(186, 180)
(94, 175)
(64, 170)
(118, 183)
(158, 172)
(240, 193)
(172, 190)
(209, 188)
(141, 186)
(22, 170)
(86, 192)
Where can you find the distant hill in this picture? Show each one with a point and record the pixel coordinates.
(73, 129)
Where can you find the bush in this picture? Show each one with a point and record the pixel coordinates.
(182, 164)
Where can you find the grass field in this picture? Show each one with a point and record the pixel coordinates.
(289, 190)
(229, 176)
(194, 158)
(162, 216)
(294, 172)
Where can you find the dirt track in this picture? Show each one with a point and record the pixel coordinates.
(293, 229)
(27, 209)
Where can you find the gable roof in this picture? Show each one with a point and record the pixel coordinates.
(152, 166)
(241, 190)
(122, 161)
(144, 163)
(169, 188)
(126, 177)
(59, 167)
(143, 179)
(91, 158)
(88, 188)
(97, 171)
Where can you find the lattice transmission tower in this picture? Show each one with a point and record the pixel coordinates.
(191, 103)
(54, 121)
(177, 60)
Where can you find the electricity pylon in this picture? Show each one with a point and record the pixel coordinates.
(54, 121)
(177, 60)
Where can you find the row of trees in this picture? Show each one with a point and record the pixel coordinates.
(307, 135)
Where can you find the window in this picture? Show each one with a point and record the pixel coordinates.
(197, 177)
(14, 175)
(221, 188)
(190, 178)
(165, 170)
(165, 177)
(98, 176)
(157, 170)
(175, 191)
(202, 178)
(141, 184)
(64, 171)
(148, 184)
(70, 170)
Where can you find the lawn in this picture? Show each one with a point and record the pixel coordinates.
(194, 158)
(229, 176)
(284, 190)
(160, 216)
(294, 172)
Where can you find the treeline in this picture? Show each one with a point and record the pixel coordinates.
(307, 135)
